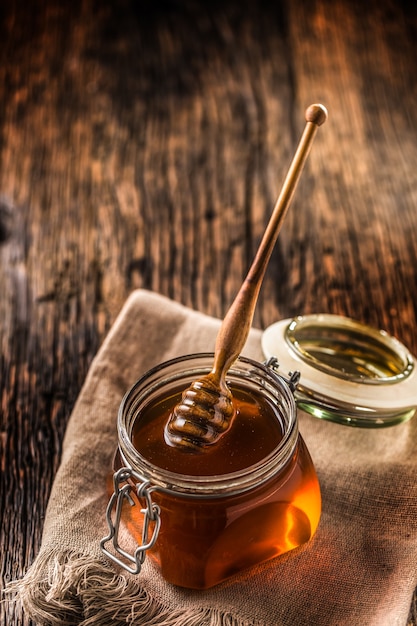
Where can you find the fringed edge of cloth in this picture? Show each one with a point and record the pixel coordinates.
(69, 589)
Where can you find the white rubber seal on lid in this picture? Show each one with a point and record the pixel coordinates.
(350, 373)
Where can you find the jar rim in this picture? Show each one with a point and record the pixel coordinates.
(189, 367)
(351, 373)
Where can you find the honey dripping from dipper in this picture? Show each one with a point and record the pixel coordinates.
(206, 410)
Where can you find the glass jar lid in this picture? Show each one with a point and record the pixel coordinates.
(350, 373)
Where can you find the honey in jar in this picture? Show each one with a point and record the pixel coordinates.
(250, 497)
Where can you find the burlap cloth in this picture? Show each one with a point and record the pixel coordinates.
(359, 570)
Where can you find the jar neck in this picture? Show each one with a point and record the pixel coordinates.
(184, 370)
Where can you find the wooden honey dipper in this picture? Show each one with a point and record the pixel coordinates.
(206, 409)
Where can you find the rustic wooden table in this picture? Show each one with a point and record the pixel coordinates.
(143, 144)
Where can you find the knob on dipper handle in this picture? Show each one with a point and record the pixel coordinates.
(316, 114)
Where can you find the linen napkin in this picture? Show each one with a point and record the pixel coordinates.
(359, 569)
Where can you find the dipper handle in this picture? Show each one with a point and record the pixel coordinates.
(238, 320)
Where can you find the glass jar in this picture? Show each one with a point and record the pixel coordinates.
(202, 517)
(351, 373)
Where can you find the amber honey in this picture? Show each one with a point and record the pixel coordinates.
(252, 437)
(250, 497)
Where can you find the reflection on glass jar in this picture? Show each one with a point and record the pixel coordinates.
(248, 498)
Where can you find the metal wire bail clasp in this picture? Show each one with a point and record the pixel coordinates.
(123, 486)
(293, 377)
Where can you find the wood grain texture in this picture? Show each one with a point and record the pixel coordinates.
(144, 144)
